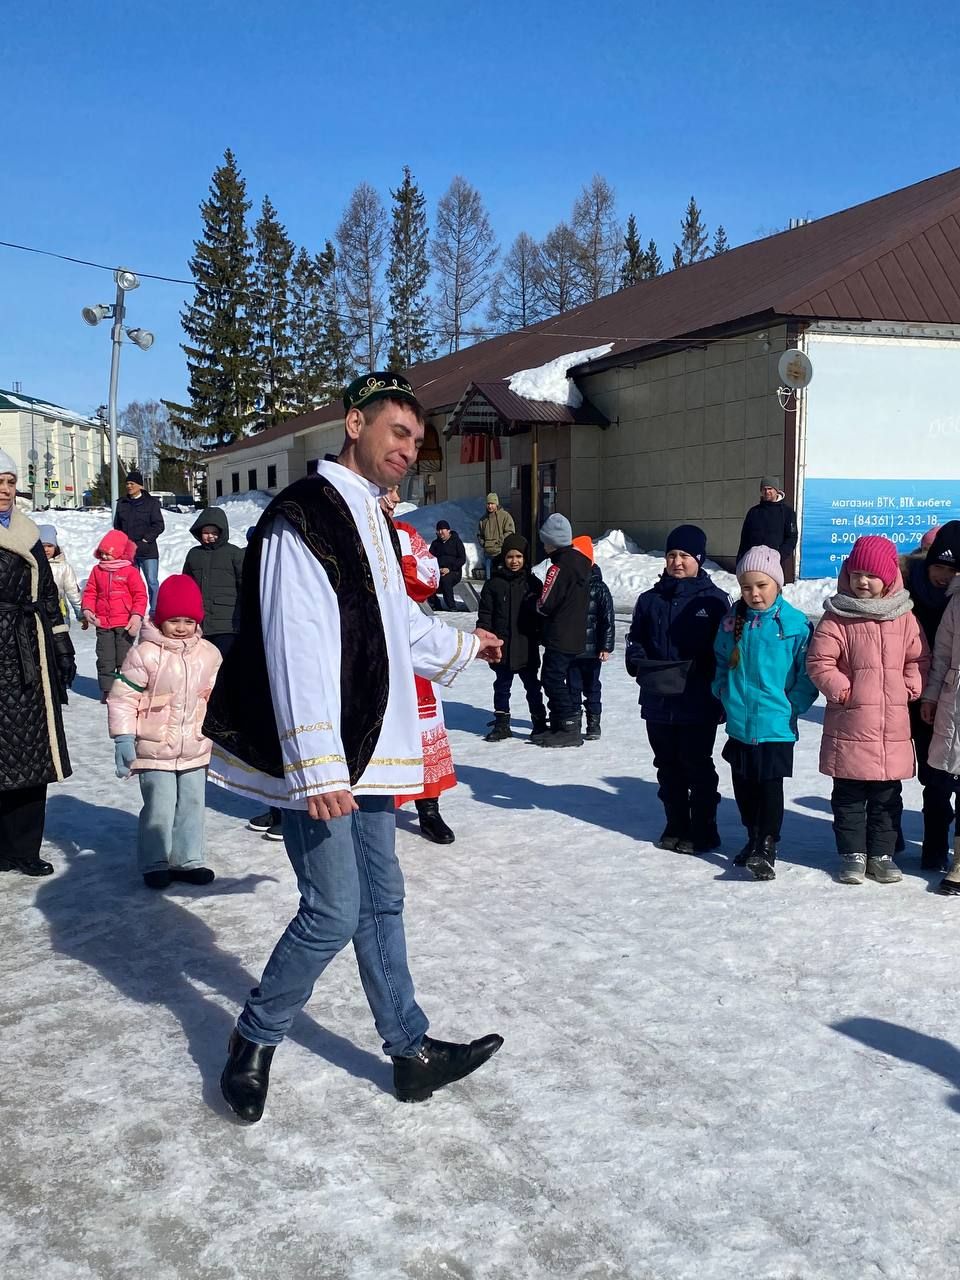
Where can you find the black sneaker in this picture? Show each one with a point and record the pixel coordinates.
(262, 822)
(274, 833)
(437, 1063)
(192, 875)
(157, 879)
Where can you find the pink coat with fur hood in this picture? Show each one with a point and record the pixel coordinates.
(161, 698)
(881, 666)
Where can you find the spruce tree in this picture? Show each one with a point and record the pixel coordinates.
(517, 299)
(340, 362)
(720, 242)
(599, 236)
(271, 316)
(221, 361)
(677, 257)
(309, 375)
(652, 262)
(560, 277)
(694, 241)
(634, 259)
(464, 253)
(407, 275)
(361, 239)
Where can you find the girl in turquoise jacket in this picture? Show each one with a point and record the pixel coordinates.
(761, 679)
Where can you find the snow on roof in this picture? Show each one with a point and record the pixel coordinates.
(9, 400)
(550, 382)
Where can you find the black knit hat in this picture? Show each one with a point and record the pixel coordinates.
(945, 548)
(688, 538)
(516, 542)
(442, 524)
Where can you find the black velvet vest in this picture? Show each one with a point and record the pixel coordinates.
(240, 716)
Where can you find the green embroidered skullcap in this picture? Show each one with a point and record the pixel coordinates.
(378, 386)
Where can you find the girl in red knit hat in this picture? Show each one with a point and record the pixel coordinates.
(869, 658)
(155, 712)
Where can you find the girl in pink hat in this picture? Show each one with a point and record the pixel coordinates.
(869, 658)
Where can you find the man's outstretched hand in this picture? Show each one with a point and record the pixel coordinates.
(335, 804)
(491, 646)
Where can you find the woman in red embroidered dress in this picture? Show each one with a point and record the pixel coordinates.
(421, 575)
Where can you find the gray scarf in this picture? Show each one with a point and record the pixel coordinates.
(883, 609)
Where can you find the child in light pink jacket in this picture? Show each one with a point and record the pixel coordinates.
(869, 657)
(156, 710)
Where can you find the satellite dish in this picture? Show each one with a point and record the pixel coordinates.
(795, 369)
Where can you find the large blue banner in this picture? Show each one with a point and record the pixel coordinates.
(837, 512)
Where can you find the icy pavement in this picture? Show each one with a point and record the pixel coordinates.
(703, 1076)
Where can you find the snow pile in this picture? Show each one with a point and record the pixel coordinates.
(80, 531)
(462, 517)
(628, 570)
(550, 382)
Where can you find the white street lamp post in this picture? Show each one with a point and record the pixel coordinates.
(126, 280)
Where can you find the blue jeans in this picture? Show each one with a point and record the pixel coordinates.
(171, 820)
(584, 680)
(351, 890)
(488, 567)
(151, 574)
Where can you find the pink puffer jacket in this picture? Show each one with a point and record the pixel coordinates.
(161, 698)
(882, 664)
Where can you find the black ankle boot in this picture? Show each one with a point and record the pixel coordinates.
(501, 727)
(567, 735)
(541, 729)
(762, 857)
(741, 859)
(593, 728)
(431, 824)
(437, 1063)
(246, 1077)
(27, 866)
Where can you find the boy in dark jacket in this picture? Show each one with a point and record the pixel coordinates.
(450, 554)
(771, 523)
(670, 653)
(508, 608)
(563, 613)
(216, 566)
(601, 638)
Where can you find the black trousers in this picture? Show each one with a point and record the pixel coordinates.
(585, 684)
(866, 816)
(445, 599)
(555, 678)
(938, 790)
(503, 683)
(22, 814)
(760, 804)
(113, 645)
(683, 759)
(224, 642)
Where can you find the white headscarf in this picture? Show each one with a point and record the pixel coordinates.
(7, 464)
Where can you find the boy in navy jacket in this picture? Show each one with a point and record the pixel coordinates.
(670, 653)
(601, 638)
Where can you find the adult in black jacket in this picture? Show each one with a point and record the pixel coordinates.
(927, 577)
(601, 638)
(563, 614)
(508, 608)
(450, 554)
(771, 523)
(670, 653)
(140, 517)
(36, 668)
(216, 566)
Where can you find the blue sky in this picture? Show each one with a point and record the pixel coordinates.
(115, 114)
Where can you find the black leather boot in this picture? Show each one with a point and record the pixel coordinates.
(593, 728)
(741, 859)
(437, 1063)
(542, 729)
(762, 857)
(27, 866)
(567, 735)
(431, 824)
(501, 727)
(246, 1077)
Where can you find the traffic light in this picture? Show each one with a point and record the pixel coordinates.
(32, 475)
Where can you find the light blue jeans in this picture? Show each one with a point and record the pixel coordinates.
(351, 890)
(171, 820)
(151, 576)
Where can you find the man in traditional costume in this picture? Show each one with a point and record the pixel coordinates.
(315, 710)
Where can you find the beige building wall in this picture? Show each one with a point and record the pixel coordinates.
(70, 453)
(691, 435)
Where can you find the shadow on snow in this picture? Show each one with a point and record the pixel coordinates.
(929, 1052)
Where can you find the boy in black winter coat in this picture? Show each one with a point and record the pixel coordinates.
(670, 653)
(216, 566)
(601, 638)
(563, 613)
(508, 608)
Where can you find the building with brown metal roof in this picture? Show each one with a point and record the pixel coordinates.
(685, 411)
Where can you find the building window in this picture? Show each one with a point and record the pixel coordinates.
(312, 464)
(235, 482)
(252, 478)
(271, 477)
(219, 488)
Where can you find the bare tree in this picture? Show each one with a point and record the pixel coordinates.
(560, 279)
(517, 299)
(464, 252)
(361, 238)
(600, 237)
(150, 423)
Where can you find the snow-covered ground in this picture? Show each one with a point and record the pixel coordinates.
(704, 1077)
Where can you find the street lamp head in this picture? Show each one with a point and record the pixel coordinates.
(126, 280)
(142, 337)
(93, 315)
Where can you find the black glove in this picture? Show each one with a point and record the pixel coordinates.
(68, 670)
